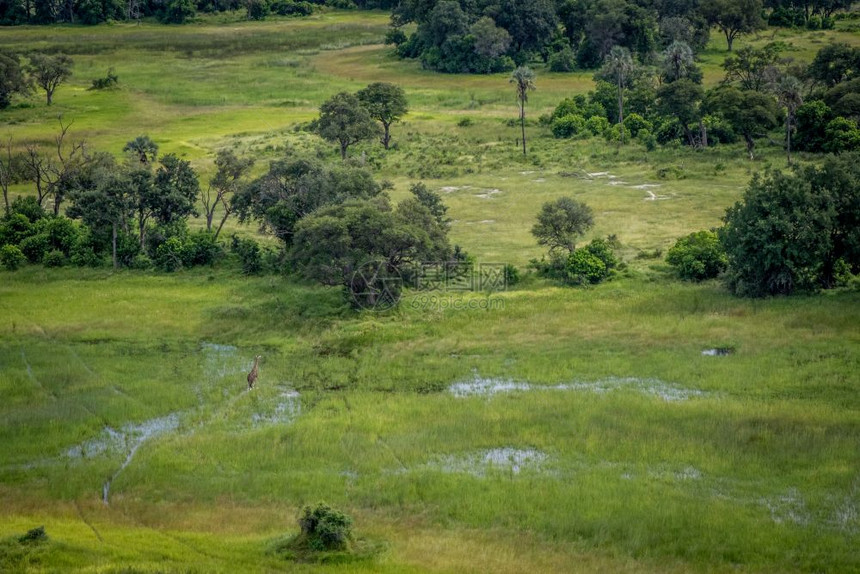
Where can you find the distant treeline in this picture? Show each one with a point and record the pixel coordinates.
(14, 12)
(481, 36)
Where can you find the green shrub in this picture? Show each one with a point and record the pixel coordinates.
(563, 60)
(109, 81)
(141, 262)
(28, 207)
(291, 8)
(634, 122)
(249, 254)
(648, 139)
(597, 125)
(14, 229)
(465, 122)
(325, 528)
(54, 258)
(602, 249)
(34, 536)
(62, 233)
(698, 256)
(256, 9)
(841, 135)
(201, 249)
(512, 275)
(11, 257)
(35, 247)
(85, 252)
(170, 255)
(583, 267)
(568, 126)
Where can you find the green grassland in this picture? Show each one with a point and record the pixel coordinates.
(613, 444)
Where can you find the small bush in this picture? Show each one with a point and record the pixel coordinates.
(11, 257)
(28, 207)
(201, 249)
(35, 247)
(291, 8)
(698, 256)
(583, 267)
(109, 81)
(568, 126)
(170, 255)
(512, 275)
(563, 61)
(256, 9)
(34, 536)
(325, 528)
(54, 258)
(597, 125)
(633, 123)
(465, 122)
(250, 256)
(647, 139)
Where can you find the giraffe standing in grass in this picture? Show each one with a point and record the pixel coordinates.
(252, 376)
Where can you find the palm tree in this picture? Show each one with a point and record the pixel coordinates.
(143, 149)
(619, 66)
(789, 91)
(524, 78)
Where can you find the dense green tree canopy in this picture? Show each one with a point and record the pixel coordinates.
(561, 222)
(293, 188)
(48, 72)
(386, 103)
(795, 232)
(12, 79)
(343, 119)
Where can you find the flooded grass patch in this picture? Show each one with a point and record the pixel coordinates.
(488, 387)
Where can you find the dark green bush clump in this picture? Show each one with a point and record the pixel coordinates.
(325, 528)
(109, 81)
(698, 256)
(11, 257)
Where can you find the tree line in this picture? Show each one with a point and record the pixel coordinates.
(487, 36)
(816, 104)
(89, 12)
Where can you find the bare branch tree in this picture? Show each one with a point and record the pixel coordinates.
(6, 173)
(223, 185)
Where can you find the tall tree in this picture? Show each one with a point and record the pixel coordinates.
(750, 113)
(789, 91)
(678, 62)
(561, 222)
(106, 203)
(293, 188)
(835, 63)
(734, 17)
(681, 99)
(223, 186)
(12, 80)
(753, 68)
(143, 149)
(619, 67)
(7, 172)
(386, 103)
(343, 119)
(50, 71)
(524, 78)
